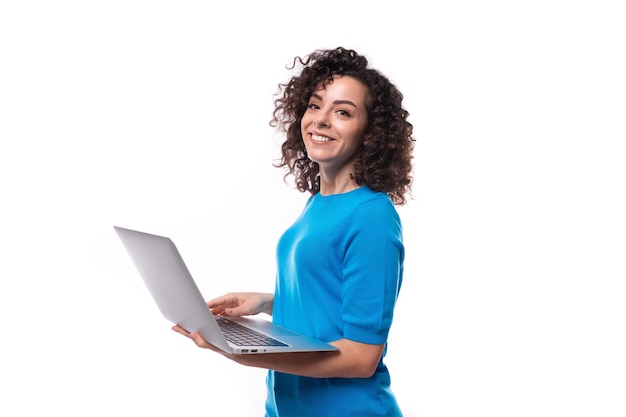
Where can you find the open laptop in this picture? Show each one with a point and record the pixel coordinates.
(178, 298)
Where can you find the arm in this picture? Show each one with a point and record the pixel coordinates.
(352, 360)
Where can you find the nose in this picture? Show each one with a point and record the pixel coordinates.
(319, 123)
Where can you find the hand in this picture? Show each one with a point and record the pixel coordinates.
(197, 339)
(242, 304)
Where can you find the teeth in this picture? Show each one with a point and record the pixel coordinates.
(320, 138)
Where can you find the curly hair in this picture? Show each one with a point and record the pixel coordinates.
(383, 161)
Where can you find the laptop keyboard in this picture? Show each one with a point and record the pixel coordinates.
(244, 336)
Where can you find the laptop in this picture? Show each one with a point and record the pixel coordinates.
(177, 296)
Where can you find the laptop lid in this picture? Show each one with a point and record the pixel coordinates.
(180, 301)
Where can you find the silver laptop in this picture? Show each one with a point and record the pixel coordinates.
(178, 298)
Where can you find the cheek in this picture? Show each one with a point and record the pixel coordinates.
(307, 117)
(304, 123)
(302, 129)
(358, 137)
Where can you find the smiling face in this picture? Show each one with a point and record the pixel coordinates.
(334, 124)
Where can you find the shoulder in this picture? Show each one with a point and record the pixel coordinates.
(375, 202)
(375, 210)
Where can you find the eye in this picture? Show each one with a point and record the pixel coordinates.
(343, 113)
(313, 106)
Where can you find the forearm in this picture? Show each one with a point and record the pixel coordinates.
(268, 307)
(352, 360)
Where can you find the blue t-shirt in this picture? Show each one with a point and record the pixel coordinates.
(339, 273)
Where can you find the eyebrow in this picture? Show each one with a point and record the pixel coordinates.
(348, 102)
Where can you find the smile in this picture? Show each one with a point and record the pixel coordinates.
(318, 138)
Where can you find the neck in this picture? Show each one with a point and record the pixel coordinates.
(337, 184)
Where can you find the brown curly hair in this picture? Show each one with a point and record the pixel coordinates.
(384, 160)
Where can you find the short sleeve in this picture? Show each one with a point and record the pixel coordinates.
(373, 267)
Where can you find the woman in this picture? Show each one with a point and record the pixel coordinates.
(349, 144)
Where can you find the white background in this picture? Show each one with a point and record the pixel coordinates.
(154, 115)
